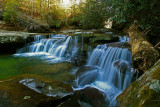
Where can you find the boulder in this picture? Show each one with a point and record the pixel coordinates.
(122, 65)
(31, 91)
(95, 96)
(144, 92)
(86, 75)
(79, 61)
(11, 41)
(87, 97)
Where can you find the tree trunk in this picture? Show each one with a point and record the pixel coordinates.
(144, 54)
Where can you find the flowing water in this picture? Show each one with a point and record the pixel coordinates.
(114, 70)
(51, 56)
(56, 46)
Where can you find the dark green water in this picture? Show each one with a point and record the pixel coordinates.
(11, 66)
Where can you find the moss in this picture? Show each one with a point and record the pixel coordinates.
(17, 94)
(156, 71)
(144, 92)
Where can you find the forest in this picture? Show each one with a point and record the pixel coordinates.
(88, 14)
(79, 53)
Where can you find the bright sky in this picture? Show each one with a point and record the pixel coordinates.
(68, 3)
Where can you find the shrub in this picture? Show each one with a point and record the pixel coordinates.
(11, 9)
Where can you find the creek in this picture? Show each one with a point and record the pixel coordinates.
(73, 60)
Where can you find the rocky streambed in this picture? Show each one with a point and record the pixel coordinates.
(72, 67)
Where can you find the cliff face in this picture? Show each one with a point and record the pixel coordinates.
(144, 92)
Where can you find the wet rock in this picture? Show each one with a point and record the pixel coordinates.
(103, 38)
(98, 38)
(144, 92)
(32, 91)
(86, 75)
(78, 61)
(58, 72)
(48, 89)
(87, 97)
(71, 31)
(120, 45)
(122, 65)
(11, 41)
(96, 97)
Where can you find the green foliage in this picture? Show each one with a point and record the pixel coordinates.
(142, 12)
(89, 14)
(55, 18)
(11, 8)
(74, 21)
(94, 13)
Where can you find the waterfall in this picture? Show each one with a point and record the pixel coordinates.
(108, 66)
(112, 62)
(114, 70)
(59, 46)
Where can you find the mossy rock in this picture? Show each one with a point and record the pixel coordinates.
(103, 40)
(94, 38)
(31, 91)
(144, 92)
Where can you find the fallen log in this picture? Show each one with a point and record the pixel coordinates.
(143, 53)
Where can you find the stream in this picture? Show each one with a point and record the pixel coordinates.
(71, 59)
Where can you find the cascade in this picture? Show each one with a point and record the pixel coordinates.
(108, 66)
(112, 62)
(114, 70)
(59, 46)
